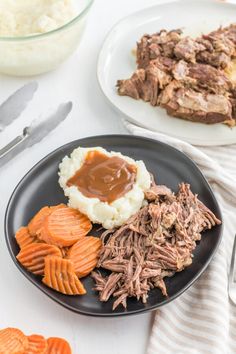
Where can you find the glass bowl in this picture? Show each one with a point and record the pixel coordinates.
(40, 53)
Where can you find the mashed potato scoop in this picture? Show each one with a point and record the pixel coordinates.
(108, 187)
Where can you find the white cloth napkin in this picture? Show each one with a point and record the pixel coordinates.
(203, 319)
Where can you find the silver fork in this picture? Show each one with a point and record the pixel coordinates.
(232, 275)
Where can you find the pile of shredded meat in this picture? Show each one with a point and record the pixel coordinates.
(153, 244)
(186, 76)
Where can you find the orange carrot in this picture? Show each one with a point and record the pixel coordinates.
(84, 255)
(64, 251)
(13, 341)
(37, 345)
(64, 226)
(32, 256)
(59, 275)
(37, 221)
(58, 346)
(23, 237)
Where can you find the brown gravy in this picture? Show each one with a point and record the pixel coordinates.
(103, 177)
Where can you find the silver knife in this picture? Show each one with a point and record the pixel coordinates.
(16, 103)
(34, 133)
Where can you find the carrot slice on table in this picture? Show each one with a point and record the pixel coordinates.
(59, 275)
(23, 237)
(12, 341)
(37, 221)
(32, 256)
(84, 255)
(64, 226)
(58, 346)
(37, 345)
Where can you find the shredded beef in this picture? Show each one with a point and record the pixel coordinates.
(187, 48)
(145, 84)
(201, 77)
(159, 44)
(153, 244)
(185, 76)
(186, 103)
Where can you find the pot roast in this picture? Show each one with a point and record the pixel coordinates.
(155, 243)
(185, 76)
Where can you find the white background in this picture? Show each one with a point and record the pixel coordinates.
(21, 304)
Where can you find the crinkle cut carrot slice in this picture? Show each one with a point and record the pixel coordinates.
(37, 221)
(12, 341)
(37, 345)
(84, 255)
(59, 275)
(32, 256)
(64, 226)
(58, 346)
(23, 237)
(64, 251)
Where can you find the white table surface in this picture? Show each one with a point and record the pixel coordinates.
(22, 304)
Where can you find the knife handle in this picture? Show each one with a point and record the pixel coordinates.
(7, 152)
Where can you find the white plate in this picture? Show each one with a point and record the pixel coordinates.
(116, 61)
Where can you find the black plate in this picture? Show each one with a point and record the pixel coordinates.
(40, 187)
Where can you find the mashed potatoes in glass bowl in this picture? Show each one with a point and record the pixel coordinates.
(38, 35)
(109, 214)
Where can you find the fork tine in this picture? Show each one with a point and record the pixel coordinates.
(232, 263)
